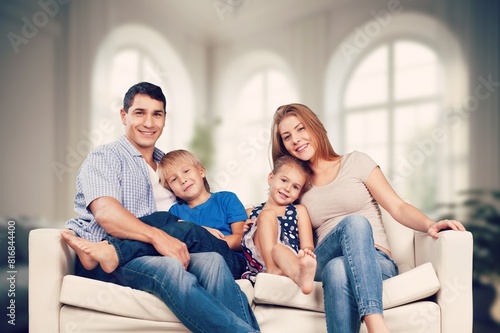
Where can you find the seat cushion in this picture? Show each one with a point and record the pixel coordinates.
(415, 317)
(413, 285)
(122, 301)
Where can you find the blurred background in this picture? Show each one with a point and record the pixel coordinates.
(412, 83)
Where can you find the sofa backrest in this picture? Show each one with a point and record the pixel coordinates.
(401, 240)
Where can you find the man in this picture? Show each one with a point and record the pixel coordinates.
(116, 184)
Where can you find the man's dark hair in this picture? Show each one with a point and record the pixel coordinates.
(145, 88)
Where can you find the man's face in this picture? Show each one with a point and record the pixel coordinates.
(143, 122)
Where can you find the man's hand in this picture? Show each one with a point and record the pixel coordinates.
(169, 246)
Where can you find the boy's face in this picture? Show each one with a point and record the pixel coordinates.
(144, 122)
(186, 181)
(286, 185)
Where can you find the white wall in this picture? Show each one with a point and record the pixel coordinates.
(45, 88)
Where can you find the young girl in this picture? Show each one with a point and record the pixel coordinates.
(221, 213)
(279, 239)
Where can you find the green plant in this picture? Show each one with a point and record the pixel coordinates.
(202, 142)
(480, 213)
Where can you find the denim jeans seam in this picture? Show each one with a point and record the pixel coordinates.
(117, 250)
(370, 307)
(352, 267)
(139, 273)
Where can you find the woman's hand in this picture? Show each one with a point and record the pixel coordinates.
(444, 225)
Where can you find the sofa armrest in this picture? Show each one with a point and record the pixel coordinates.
(451, 256)
(50, 259)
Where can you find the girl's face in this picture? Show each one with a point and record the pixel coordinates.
(296, 138)
(186, 181)
(286, 185)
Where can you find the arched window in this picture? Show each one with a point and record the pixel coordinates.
(391, 105)
(252, 95)
(131, 54)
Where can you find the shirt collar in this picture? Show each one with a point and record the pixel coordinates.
(130, 148)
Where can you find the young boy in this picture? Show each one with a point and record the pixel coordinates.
(221, 213)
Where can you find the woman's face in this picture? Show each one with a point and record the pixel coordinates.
(296, 138)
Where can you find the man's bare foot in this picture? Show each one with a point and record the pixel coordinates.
(91, 254)
(307, 270)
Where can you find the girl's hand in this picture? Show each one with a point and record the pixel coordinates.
(215, 232)
(444, 225)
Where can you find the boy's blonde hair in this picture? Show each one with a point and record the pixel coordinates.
(176, 158)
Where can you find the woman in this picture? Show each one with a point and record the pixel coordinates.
(353, 255)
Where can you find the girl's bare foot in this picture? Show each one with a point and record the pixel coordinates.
(307, 270)
(91, 254)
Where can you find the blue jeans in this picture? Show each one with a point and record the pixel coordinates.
(196, 238)
(205, 297)
(351, 270)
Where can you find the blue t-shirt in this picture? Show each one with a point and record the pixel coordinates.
(218, 212)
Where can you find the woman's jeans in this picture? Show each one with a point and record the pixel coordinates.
(196, 238)
(352, 271)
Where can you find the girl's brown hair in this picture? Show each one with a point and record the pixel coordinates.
(313, 125)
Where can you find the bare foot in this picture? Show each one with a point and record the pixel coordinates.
(307, 270)
(375, 323)
(91, 254)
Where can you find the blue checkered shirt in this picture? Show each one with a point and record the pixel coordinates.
(115, 170)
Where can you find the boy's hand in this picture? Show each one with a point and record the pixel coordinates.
(215, 232)
(248, 224)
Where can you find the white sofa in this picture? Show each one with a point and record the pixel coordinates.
(432, 294)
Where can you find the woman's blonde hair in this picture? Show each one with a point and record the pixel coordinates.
(313, 125)
(176, 158)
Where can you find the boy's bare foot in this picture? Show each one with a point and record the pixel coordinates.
(307, 270)
(91, 254)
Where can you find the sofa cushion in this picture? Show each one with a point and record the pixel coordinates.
(122, 301)
(407, 287)
(415, 317)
